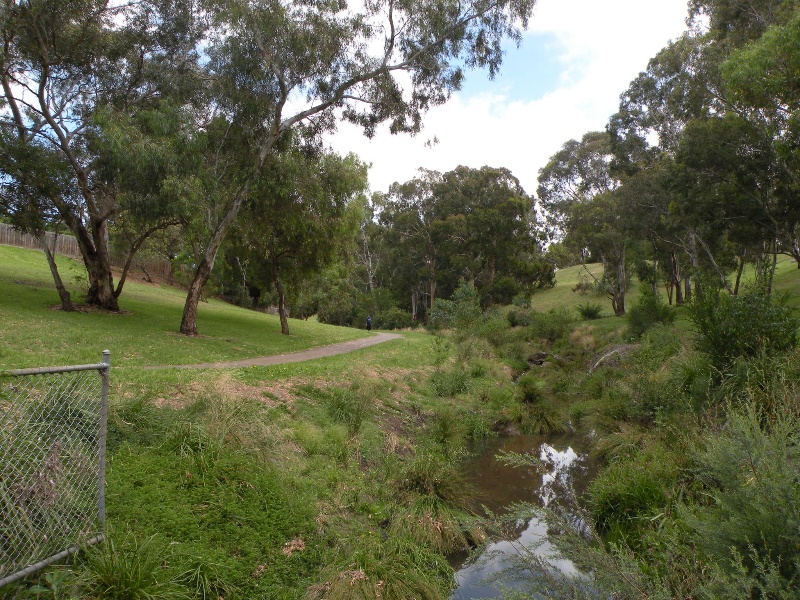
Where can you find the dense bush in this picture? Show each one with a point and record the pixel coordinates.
(552, 325)
(519, 317)
(649, 309)
(393, 318)
(752, 323)
(590, 311)
(749, 470)
(462, 312)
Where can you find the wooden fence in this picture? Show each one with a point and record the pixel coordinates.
(67, 245)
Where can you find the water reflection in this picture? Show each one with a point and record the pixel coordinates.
(500, 486)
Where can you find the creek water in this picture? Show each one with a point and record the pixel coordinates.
(499, 486)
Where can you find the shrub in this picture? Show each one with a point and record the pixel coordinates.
(494, 329)
(623, 498)
(394, 318)
(749, 470)
(589, 311)
(648, 310)
(462, 312)
(552, 325)
(752, 323)
(530, 388)
(450, 382)
(519, 317)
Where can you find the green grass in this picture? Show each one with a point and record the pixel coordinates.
(33, 334)
(787, 279)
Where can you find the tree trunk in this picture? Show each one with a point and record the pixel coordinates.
(676, 278)
(282, 312)
(739, 273)
(189, 319)
(687, 287)
(695, 265)
(94, 251)
(618, 302)
(66, 300)
(774, 266)
(203, 272)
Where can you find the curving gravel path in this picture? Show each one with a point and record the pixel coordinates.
(303, 355)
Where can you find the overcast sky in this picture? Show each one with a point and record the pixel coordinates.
(565, 79)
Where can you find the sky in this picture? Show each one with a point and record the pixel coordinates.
(565, 79)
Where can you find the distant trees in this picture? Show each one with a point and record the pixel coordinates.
(698, 171)
(475, 224)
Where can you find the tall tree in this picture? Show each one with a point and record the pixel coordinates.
(278, 65)
(578, 193)
(296, 218)
(59, 63)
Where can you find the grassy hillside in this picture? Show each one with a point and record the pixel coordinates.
(787, 279)
(34, 333)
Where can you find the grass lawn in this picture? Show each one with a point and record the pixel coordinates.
(34, 333)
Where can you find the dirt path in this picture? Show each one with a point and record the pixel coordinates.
(303, 355)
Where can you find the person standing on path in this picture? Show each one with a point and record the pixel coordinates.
(369, 322)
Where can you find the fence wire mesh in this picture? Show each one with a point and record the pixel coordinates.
(52, 446)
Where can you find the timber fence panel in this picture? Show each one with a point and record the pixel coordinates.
(52, 461)
(67, 245)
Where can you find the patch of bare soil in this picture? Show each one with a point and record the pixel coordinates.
(87, 308)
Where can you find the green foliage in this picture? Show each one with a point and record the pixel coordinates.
(447, 383)
(396, 569)
(650, 309)
(589, 311)
(519, 317)
(130, 570)
(393, 318)
(552, 325)
(749, 472)
(349, 408)
(755, 322)
(530, 388)
(624, 498)
(462, 312)
(494, 328)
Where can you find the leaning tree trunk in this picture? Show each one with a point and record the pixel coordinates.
(63, 293)
(205, 266)
(282, 312)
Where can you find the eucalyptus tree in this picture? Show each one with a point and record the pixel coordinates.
(297, 218)
(411, 237)
(493, 231)
(276, 65)
(577, 192)
(32, 175)
(59, 64)
(763, 86)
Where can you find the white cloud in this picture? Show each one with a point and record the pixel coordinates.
(602, 47)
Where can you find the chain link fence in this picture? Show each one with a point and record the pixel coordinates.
(52, 464)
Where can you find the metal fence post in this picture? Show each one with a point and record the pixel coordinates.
(101, 466)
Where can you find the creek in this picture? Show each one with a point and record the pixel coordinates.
(499, 486)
